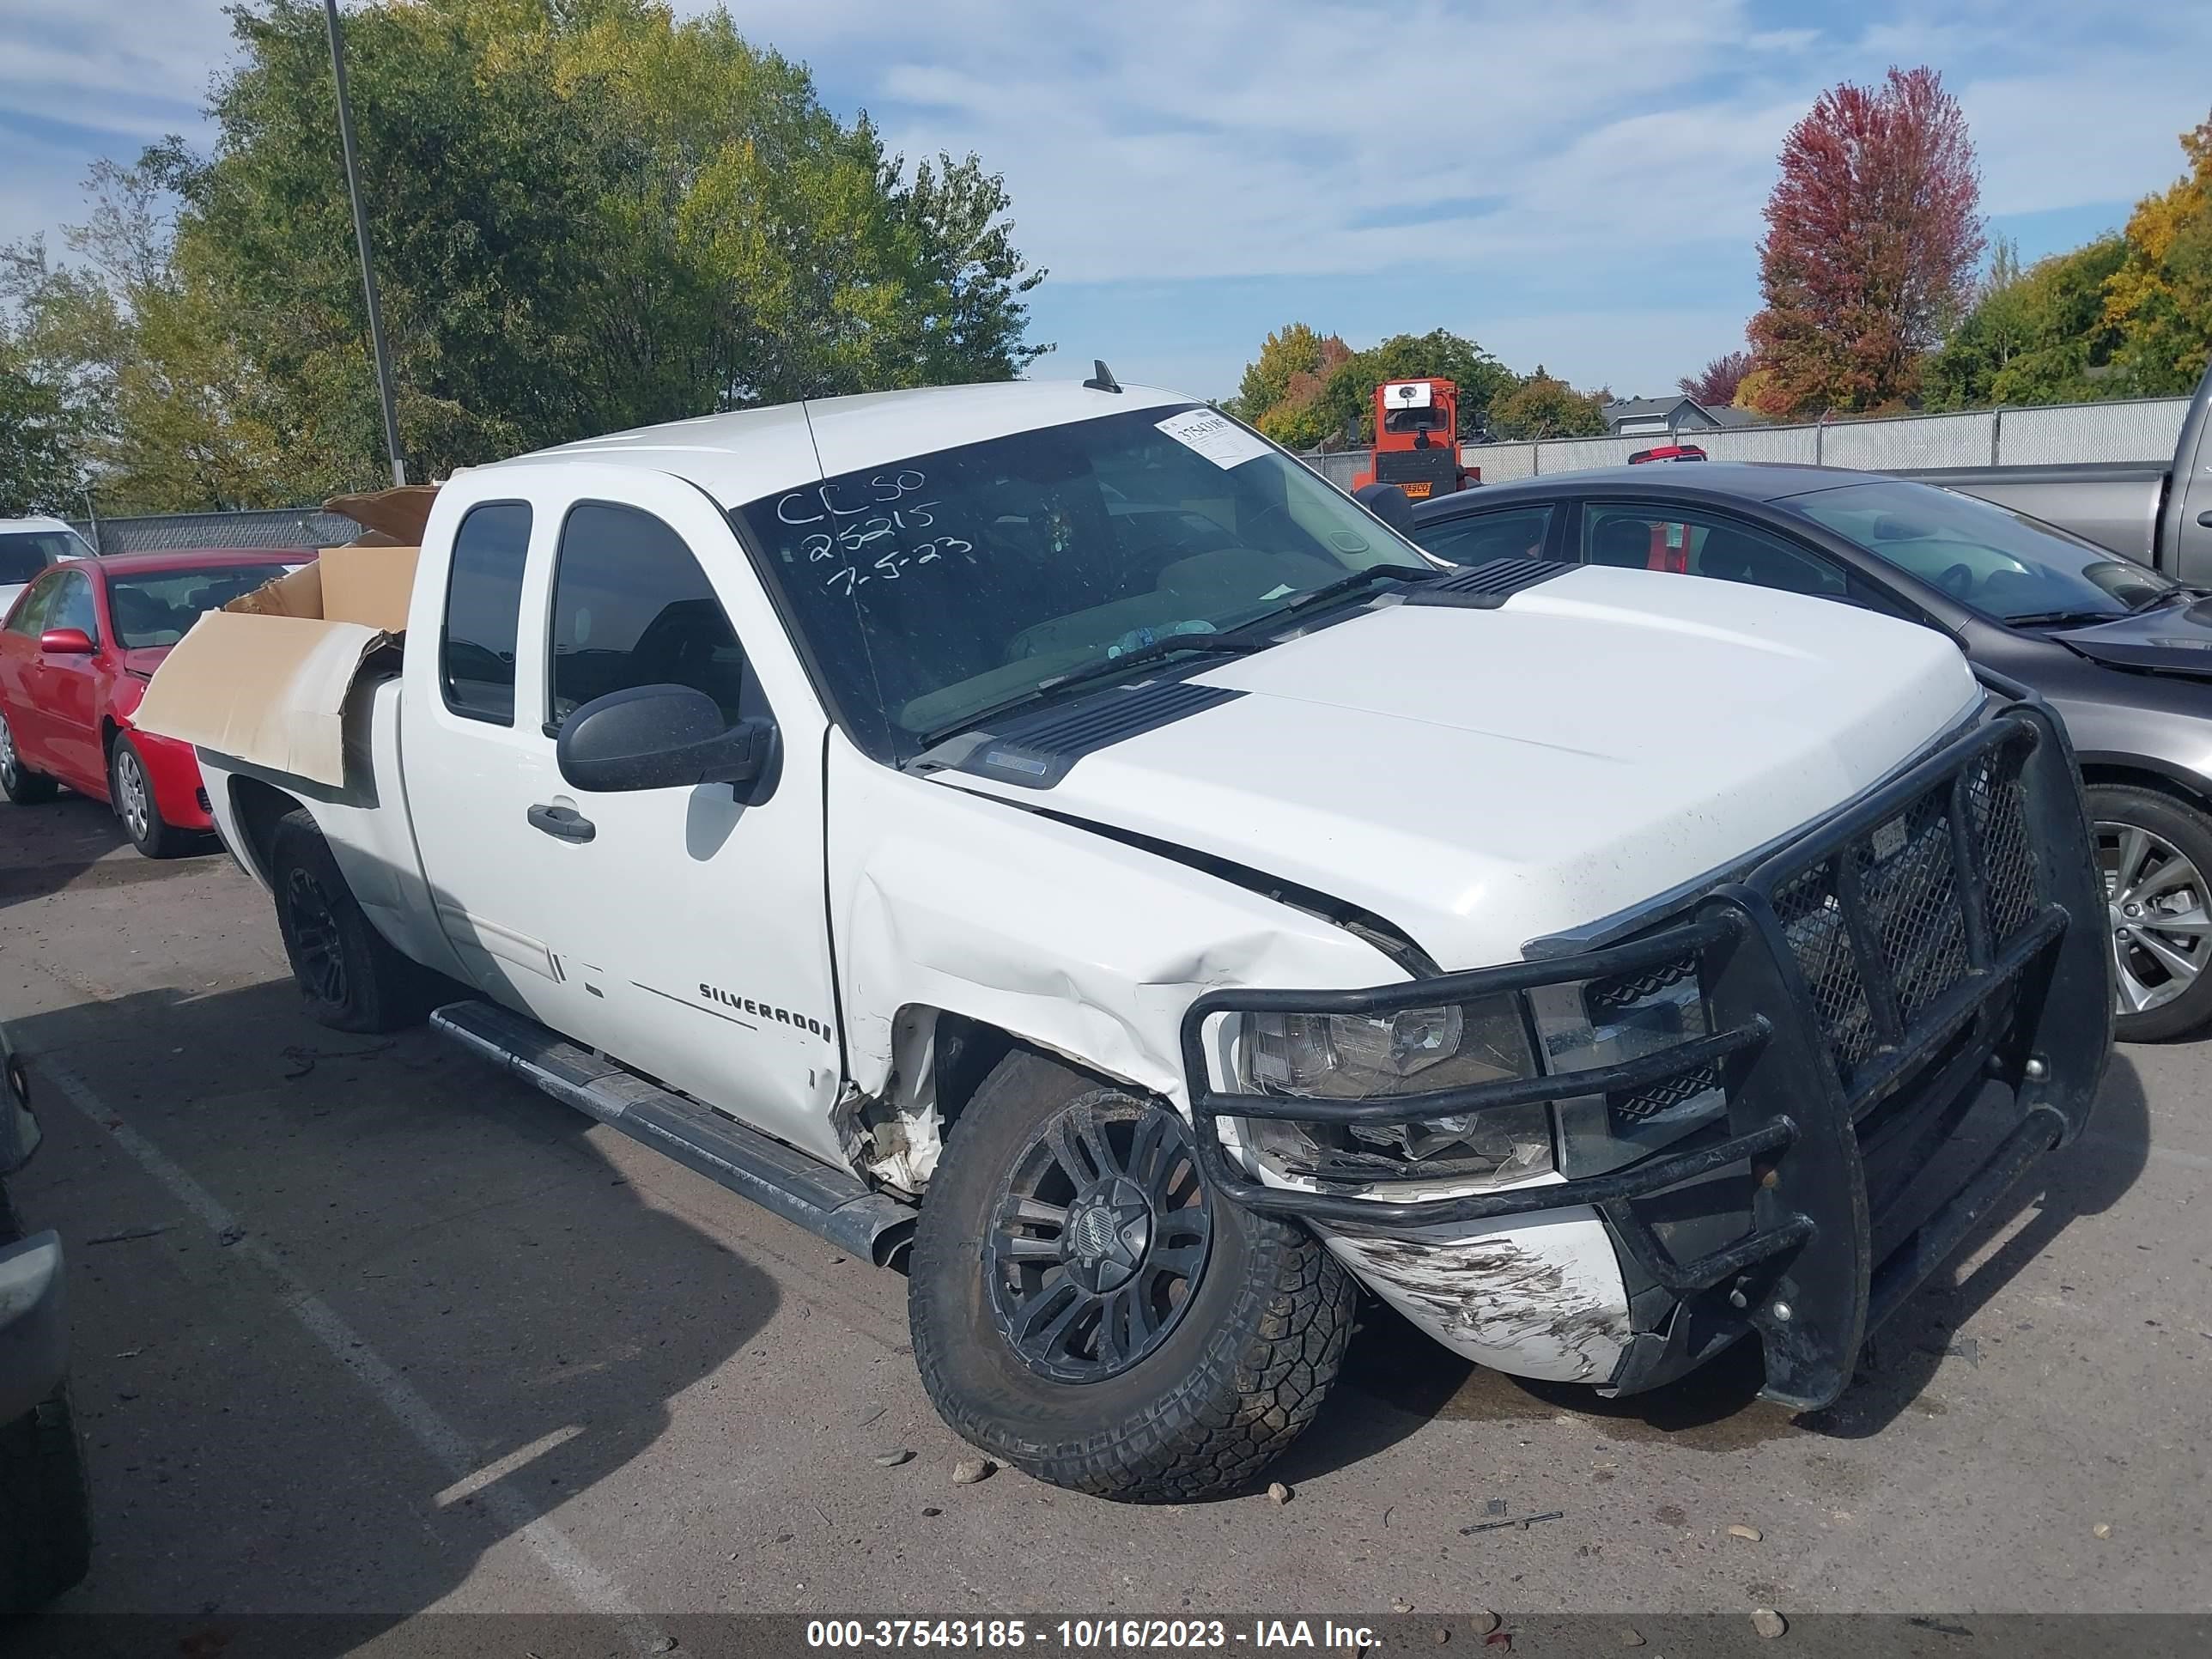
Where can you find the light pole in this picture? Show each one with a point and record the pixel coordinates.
(360, 236)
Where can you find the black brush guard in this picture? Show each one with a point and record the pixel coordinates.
(1861, 985)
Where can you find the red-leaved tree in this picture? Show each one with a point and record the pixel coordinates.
(1714, 385)
(1873, 237)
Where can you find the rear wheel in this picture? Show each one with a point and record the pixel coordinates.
(2155, 855)
(1085, 1308)
(17, 781)
(350, 975)
(130, 792)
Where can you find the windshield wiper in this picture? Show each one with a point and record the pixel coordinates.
(2063, 619)
(1313, 597)
(1109, 668)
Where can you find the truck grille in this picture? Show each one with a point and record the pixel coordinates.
(1880, 925)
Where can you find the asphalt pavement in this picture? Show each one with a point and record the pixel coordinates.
(363, 1328)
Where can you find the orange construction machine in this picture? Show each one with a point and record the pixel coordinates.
(1417, 440)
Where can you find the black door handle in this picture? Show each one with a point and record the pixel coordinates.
(562, 822)
(2205, 517)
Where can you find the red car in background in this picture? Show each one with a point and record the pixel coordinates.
(76, 650)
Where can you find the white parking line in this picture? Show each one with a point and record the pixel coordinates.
(593, 1588)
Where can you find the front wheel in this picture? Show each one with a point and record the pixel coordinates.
(130, 792)
(1085, 1308)
(2155, 855)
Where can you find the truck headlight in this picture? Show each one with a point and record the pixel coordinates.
(1412, 1051)
(1583, 1024)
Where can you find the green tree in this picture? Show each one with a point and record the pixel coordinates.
(1545, 406)
(2160, 297)
(2038, 336)
(584, 216)
(1293, 349)
(39, 468)
(1305, 388)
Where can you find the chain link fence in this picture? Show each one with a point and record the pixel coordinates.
(2140, 431)
(301, 526)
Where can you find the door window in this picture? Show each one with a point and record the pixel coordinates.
(1691, 541)
(632, 607)
(483, 602)
(72, 606)
(1483, 537)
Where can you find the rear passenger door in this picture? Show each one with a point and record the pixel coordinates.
(478, 762)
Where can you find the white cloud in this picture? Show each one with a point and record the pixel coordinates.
(1150, 139)
(1597, 150)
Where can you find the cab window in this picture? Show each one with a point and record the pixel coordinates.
(484, 605)
(632, 607)
(1483, 537)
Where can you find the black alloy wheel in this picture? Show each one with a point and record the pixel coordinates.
(319, 954)
(1098, 1239)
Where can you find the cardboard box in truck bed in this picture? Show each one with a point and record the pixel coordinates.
(266, 679)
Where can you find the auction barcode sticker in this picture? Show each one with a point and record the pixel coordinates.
(1213, 435)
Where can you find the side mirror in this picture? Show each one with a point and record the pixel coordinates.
(660, 737)
(65, 642)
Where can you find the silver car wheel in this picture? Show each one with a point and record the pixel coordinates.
(2155, 908)
(6, 752)
(132, 798)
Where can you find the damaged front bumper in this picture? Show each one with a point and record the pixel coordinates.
(1860, 988)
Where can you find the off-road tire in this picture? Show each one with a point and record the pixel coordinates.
(2189, 831)
(1239, 1377)
(45, 1507)
(348, 975)
(24, 786)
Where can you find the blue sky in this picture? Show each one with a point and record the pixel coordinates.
(1568, 182)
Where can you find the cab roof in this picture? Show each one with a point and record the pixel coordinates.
(747, 454)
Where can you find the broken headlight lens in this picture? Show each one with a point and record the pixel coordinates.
(1414, 1051)
(1584, 1024)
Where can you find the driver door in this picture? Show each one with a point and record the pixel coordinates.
(694, 917)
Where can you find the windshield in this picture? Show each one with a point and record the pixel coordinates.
(2000, 562)
(24, 553)
(160, 606)
(931, 589)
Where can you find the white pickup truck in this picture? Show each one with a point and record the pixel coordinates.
(1048, 826)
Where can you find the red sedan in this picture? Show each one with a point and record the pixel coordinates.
(75, 653)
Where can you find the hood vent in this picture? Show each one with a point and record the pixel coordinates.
(1038, 750)
(1487, 586)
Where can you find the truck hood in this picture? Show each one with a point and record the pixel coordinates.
(1482, 778)
(2167, 638)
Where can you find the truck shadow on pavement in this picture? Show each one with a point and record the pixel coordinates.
(1393, 1365)
(428, 1316)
